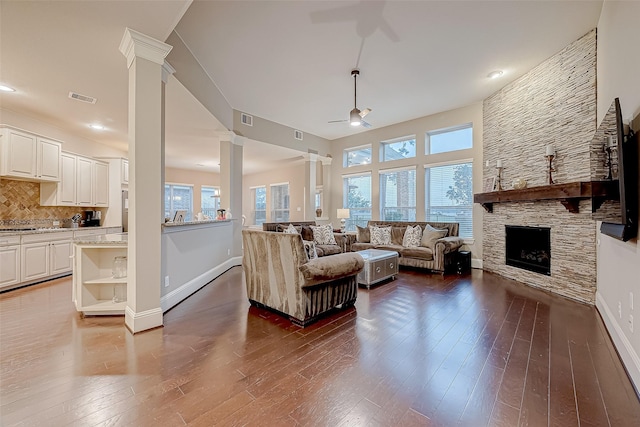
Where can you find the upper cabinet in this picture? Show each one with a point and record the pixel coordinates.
(28, 156)
(84, 182)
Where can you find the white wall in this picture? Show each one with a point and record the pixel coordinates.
(619, 263)
(419, 127)
(70, 142)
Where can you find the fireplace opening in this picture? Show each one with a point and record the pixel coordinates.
(529, 248)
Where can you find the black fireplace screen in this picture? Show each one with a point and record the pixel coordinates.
(529, 248)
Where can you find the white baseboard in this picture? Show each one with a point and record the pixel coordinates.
(185, 290)
(627, 353)
(476, 263)
(141, 321)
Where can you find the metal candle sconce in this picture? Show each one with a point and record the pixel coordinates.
(499, 168)
(550, 155)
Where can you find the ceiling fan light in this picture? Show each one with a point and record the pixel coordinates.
(354, 117)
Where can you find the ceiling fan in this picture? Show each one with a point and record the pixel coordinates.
(355, 115)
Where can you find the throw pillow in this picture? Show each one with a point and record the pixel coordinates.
(380, 235)
(306, 232)
(310, 249)
(362, 234)
(397, 234)
(291, 229)
(431, 235)
(323, 235)
(412, 237)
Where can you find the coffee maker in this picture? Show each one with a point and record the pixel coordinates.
(92, 218)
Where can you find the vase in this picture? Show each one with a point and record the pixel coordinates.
(318, 213)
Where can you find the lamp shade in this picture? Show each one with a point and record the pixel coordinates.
(343, 213)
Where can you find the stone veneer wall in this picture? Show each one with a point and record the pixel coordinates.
(20, 204)
(555, 103)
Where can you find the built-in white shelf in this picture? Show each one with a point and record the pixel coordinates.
(106, 281)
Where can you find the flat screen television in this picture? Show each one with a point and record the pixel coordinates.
(627, 181)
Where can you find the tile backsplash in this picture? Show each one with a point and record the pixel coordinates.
(20, 202)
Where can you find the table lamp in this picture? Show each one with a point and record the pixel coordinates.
(343, 214)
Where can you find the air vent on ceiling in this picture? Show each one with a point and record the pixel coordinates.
(246, 119)
(297, 134)
(82, 98)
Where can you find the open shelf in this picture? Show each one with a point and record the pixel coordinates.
(569, 194)
(104, 307)
(106, 281)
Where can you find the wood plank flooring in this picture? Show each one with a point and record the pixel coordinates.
(422, 350)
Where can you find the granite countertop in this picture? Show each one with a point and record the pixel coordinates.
(208, 221)
(120, 239)
(19, 231)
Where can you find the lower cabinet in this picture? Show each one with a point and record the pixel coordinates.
(45, 255)
(9, 261)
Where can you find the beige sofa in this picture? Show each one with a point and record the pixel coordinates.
(439, 259)
(307, 234)
(279, 276)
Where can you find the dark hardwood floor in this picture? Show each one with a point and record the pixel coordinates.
(424, 349)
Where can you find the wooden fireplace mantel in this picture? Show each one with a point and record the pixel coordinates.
(569, 194)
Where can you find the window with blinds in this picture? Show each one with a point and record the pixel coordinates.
(209, 200)
(280, 202)
(177, 196)
(449, 195)
(357, 198)
(259, 205)
(398, 194)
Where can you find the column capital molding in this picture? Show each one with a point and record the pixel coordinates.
(232, 137)
(326, 160)
(311, 157)
(167, 70)
(135, 44)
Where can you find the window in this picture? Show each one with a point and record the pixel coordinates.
(399, 148)
(209, 200)
(280, 202)
(357, 156)
(449, 195)
(451, 139)
(177, 196)
(398, 194)
(259, 203)
(357, 197)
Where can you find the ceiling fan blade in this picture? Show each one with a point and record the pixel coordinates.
(337, 121)
(365, 124)
(365, 112)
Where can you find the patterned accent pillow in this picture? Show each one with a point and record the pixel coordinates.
(310, 249)
(291, 230)
(431, 235)
(380, 235)
(362, 234)
(412, 237)
(323, 235)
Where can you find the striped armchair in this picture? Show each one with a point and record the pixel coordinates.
(279, 276)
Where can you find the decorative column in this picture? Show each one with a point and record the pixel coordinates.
(231, 147)
(145, 60)
(310, 185)
(326, 188)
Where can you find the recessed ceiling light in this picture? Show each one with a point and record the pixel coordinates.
(6, 89)
(96, 126)
(495, 74)
(200, 164)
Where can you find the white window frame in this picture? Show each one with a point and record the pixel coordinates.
(396, 140)
(350, 223)
(467, 239)
(428, 134)
(216, 195)
(253, 204)
(382, 206)
(346, 151)
(286, 202)
(171, 208)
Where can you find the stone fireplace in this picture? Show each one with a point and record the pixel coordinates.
(553, 104)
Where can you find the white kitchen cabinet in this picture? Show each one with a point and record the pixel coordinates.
(28, 156)
(125, 172)
(96, 291)
(84, 181)
(45, 255)
(66, 188)
(34, 261)
(100, 184)
(9, 261)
